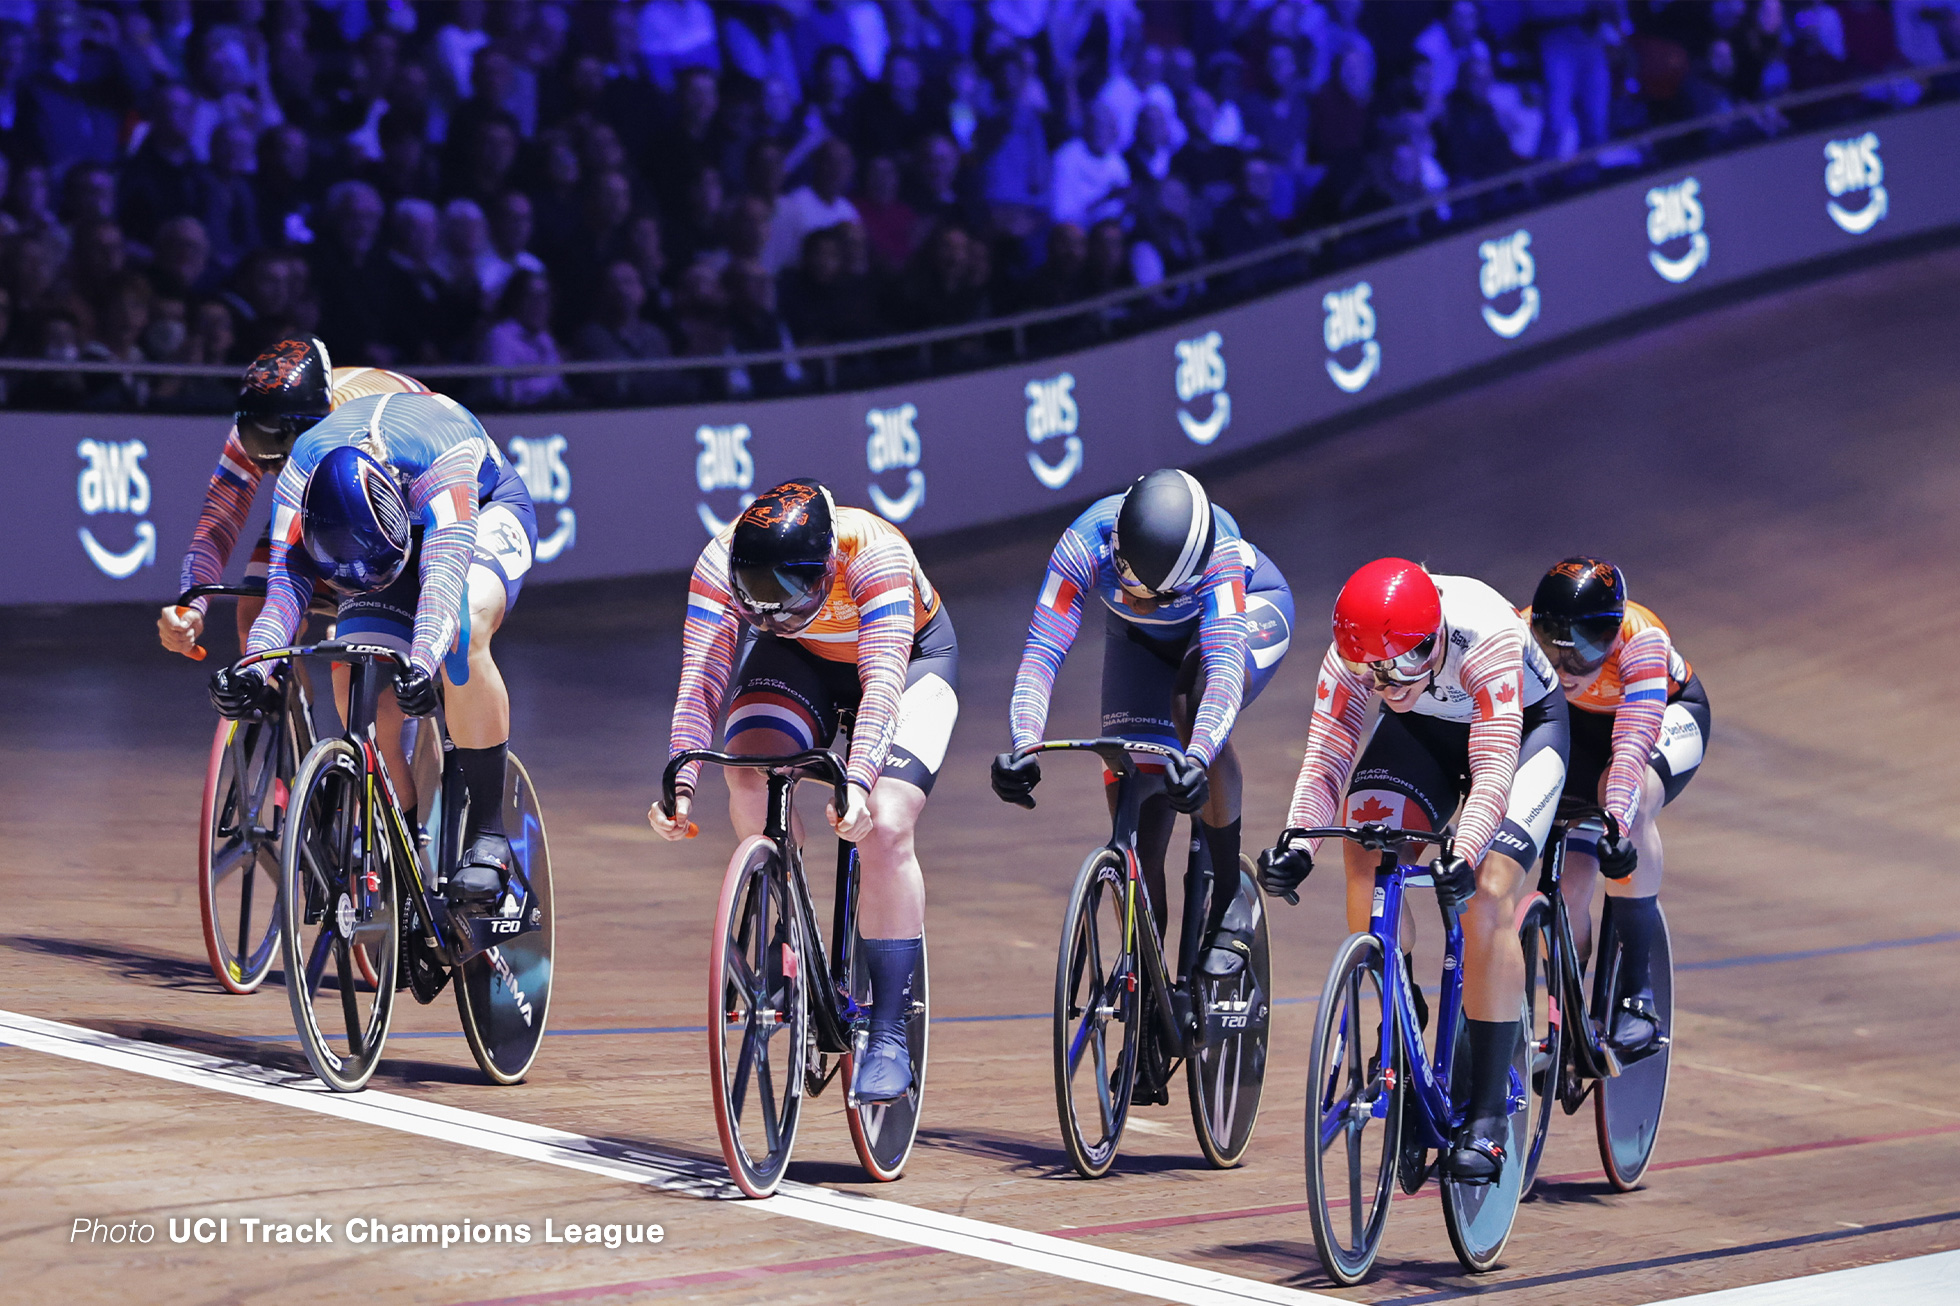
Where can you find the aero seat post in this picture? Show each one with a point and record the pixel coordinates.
(776, 824)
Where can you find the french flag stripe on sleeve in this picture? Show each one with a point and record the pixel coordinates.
(286, 525)
(1228, 600)
(450, 506)
(1057, 593)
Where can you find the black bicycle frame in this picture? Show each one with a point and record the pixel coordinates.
(833, 1007)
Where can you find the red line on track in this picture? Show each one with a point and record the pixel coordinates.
(706, 1277)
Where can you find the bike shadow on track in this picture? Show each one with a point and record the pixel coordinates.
(158, 969)
(400, 1071)
(1024, 1156)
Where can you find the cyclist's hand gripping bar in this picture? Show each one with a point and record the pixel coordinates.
(197, 652)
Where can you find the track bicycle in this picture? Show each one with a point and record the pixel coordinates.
(368, 887)
(1570, 1056)
(771, 980)
(1122, 1024)
(1369, 1068)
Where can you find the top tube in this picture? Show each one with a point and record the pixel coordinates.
(1118, 754)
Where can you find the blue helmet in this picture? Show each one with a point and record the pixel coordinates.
(354, 521)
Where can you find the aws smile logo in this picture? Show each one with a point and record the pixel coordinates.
(1201, 372)
(114, 481)
(724, 463)
(1053, 415)
(1351, 322)
(1849, 167)
(1509, 269)
(895, 443)
(1674, 213)
(542, 464)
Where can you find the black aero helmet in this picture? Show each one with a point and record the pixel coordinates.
(1163, 536)
(781, 561)
(285, 391)
(1576, 613)
(354, 521)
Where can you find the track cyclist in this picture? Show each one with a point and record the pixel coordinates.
(1640, 723)
(800, 612)
(1196, 621)
(1472, 717)
(285, 391)
(402, 505)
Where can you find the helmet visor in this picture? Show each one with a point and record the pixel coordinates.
(1578, 648)
(268, 437)
(784, 599)
(1405, 669)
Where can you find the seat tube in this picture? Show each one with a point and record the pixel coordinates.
(775, 823)
(845, 917)
(1452, 1004)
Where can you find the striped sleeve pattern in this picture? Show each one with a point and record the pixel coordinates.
(1637, 724)
(444, 498)
(879, 577)
(1340, 713)
(1493, 674)
(1222, 632)
(227, 502)
(1057, 617)
(708, 638)
(286, 594)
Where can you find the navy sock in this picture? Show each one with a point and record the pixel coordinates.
(1222, 842)
(1492, 1045)
(891, 963)
(1638, 923)
(483, 778)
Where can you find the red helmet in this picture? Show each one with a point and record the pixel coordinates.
(1388, 614)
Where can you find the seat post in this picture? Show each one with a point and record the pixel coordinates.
(776, 824)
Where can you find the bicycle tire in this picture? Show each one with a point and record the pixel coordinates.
(1226, 1075)
(1627, 1108)
(883, 1132)
(503, 994)
(324, 822)
(1545, 1042)
(1351, 1084)
(756, 990)
(233, 846)
(1479, 1217)
(1097, 985)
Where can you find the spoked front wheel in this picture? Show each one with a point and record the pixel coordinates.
(1479, 1216)
(338, 899)
(1354, 1112)
(504, 992)
(244, 814)
(883, 1132)
(1544, 1035)
(1227, 1073)
(1627, 1108)
(759, 1017)
(1098, 1016)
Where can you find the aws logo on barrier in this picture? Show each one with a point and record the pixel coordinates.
(114, 482)
(724, 463)
(1201, 372)
(1351, 322)
(1053, 415)
(894, 443)
(1849, 167)
(1674, 213)
(1509, 270)
(542, 464)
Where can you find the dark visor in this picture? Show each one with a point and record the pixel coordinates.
(1576, 647)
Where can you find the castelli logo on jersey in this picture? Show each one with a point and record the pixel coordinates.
(724, 463)
(1674, 215)
(1052, 415)
(1849, 167)
(113, 481)
(1351, 323)
(1509, 270)
(541, 462)
(894, 443)
(1201, 372)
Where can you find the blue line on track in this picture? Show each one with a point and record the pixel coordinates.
(1721, 963)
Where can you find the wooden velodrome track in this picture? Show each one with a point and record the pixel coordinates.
(1779, 479)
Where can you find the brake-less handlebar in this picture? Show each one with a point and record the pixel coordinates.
(1119, 755)
(1583, 814)
(821, 763)
(338, 650)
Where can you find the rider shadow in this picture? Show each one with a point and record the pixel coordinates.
(1027, 1157)
(151, 968)
(1302, 1259)
(1572, 1192)
(282, 1058)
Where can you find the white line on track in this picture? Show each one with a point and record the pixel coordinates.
(1064, 1258)
(1916, 1281)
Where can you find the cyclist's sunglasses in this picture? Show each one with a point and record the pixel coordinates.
(1406, 669)
(1577, 648)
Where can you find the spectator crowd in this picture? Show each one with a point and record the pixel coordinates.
(522, 182)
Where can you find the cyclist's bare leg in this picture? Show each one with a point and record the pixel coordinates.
(478, 711)
(748, 790)
(892, 897)
(1360, 866)
(1493, 960)
(1582, 870)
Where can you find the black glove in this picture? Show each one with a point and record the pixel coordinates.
(415, 690)
(1014, 781)
(238, 694)
(1456, 881)
(1186, 784)
(1283, 868)
(1617, 856)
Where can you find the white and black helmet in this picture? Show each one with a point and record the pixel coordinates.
(1164, 534)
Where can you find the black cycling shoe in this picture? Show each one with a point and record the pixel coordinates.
(1229, 950)
(1477, 1158)
(484, 871)
(1636, 1028)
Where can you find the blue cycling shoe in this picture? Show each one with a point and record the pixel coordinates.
(883, 1072)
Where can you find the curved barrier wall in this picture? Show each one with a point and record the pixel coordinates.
(99, 507)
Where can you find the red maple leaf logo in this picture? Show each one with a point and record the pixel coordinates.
(1506, 692)
(1323, 691)
(1372, 810)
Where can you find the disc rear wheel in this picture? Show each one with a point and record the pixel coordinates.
(883, 1132)
(1479, 1216)
(1226, 1074)
(1098, 1016)
(1627, 1108)
(504, 992)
